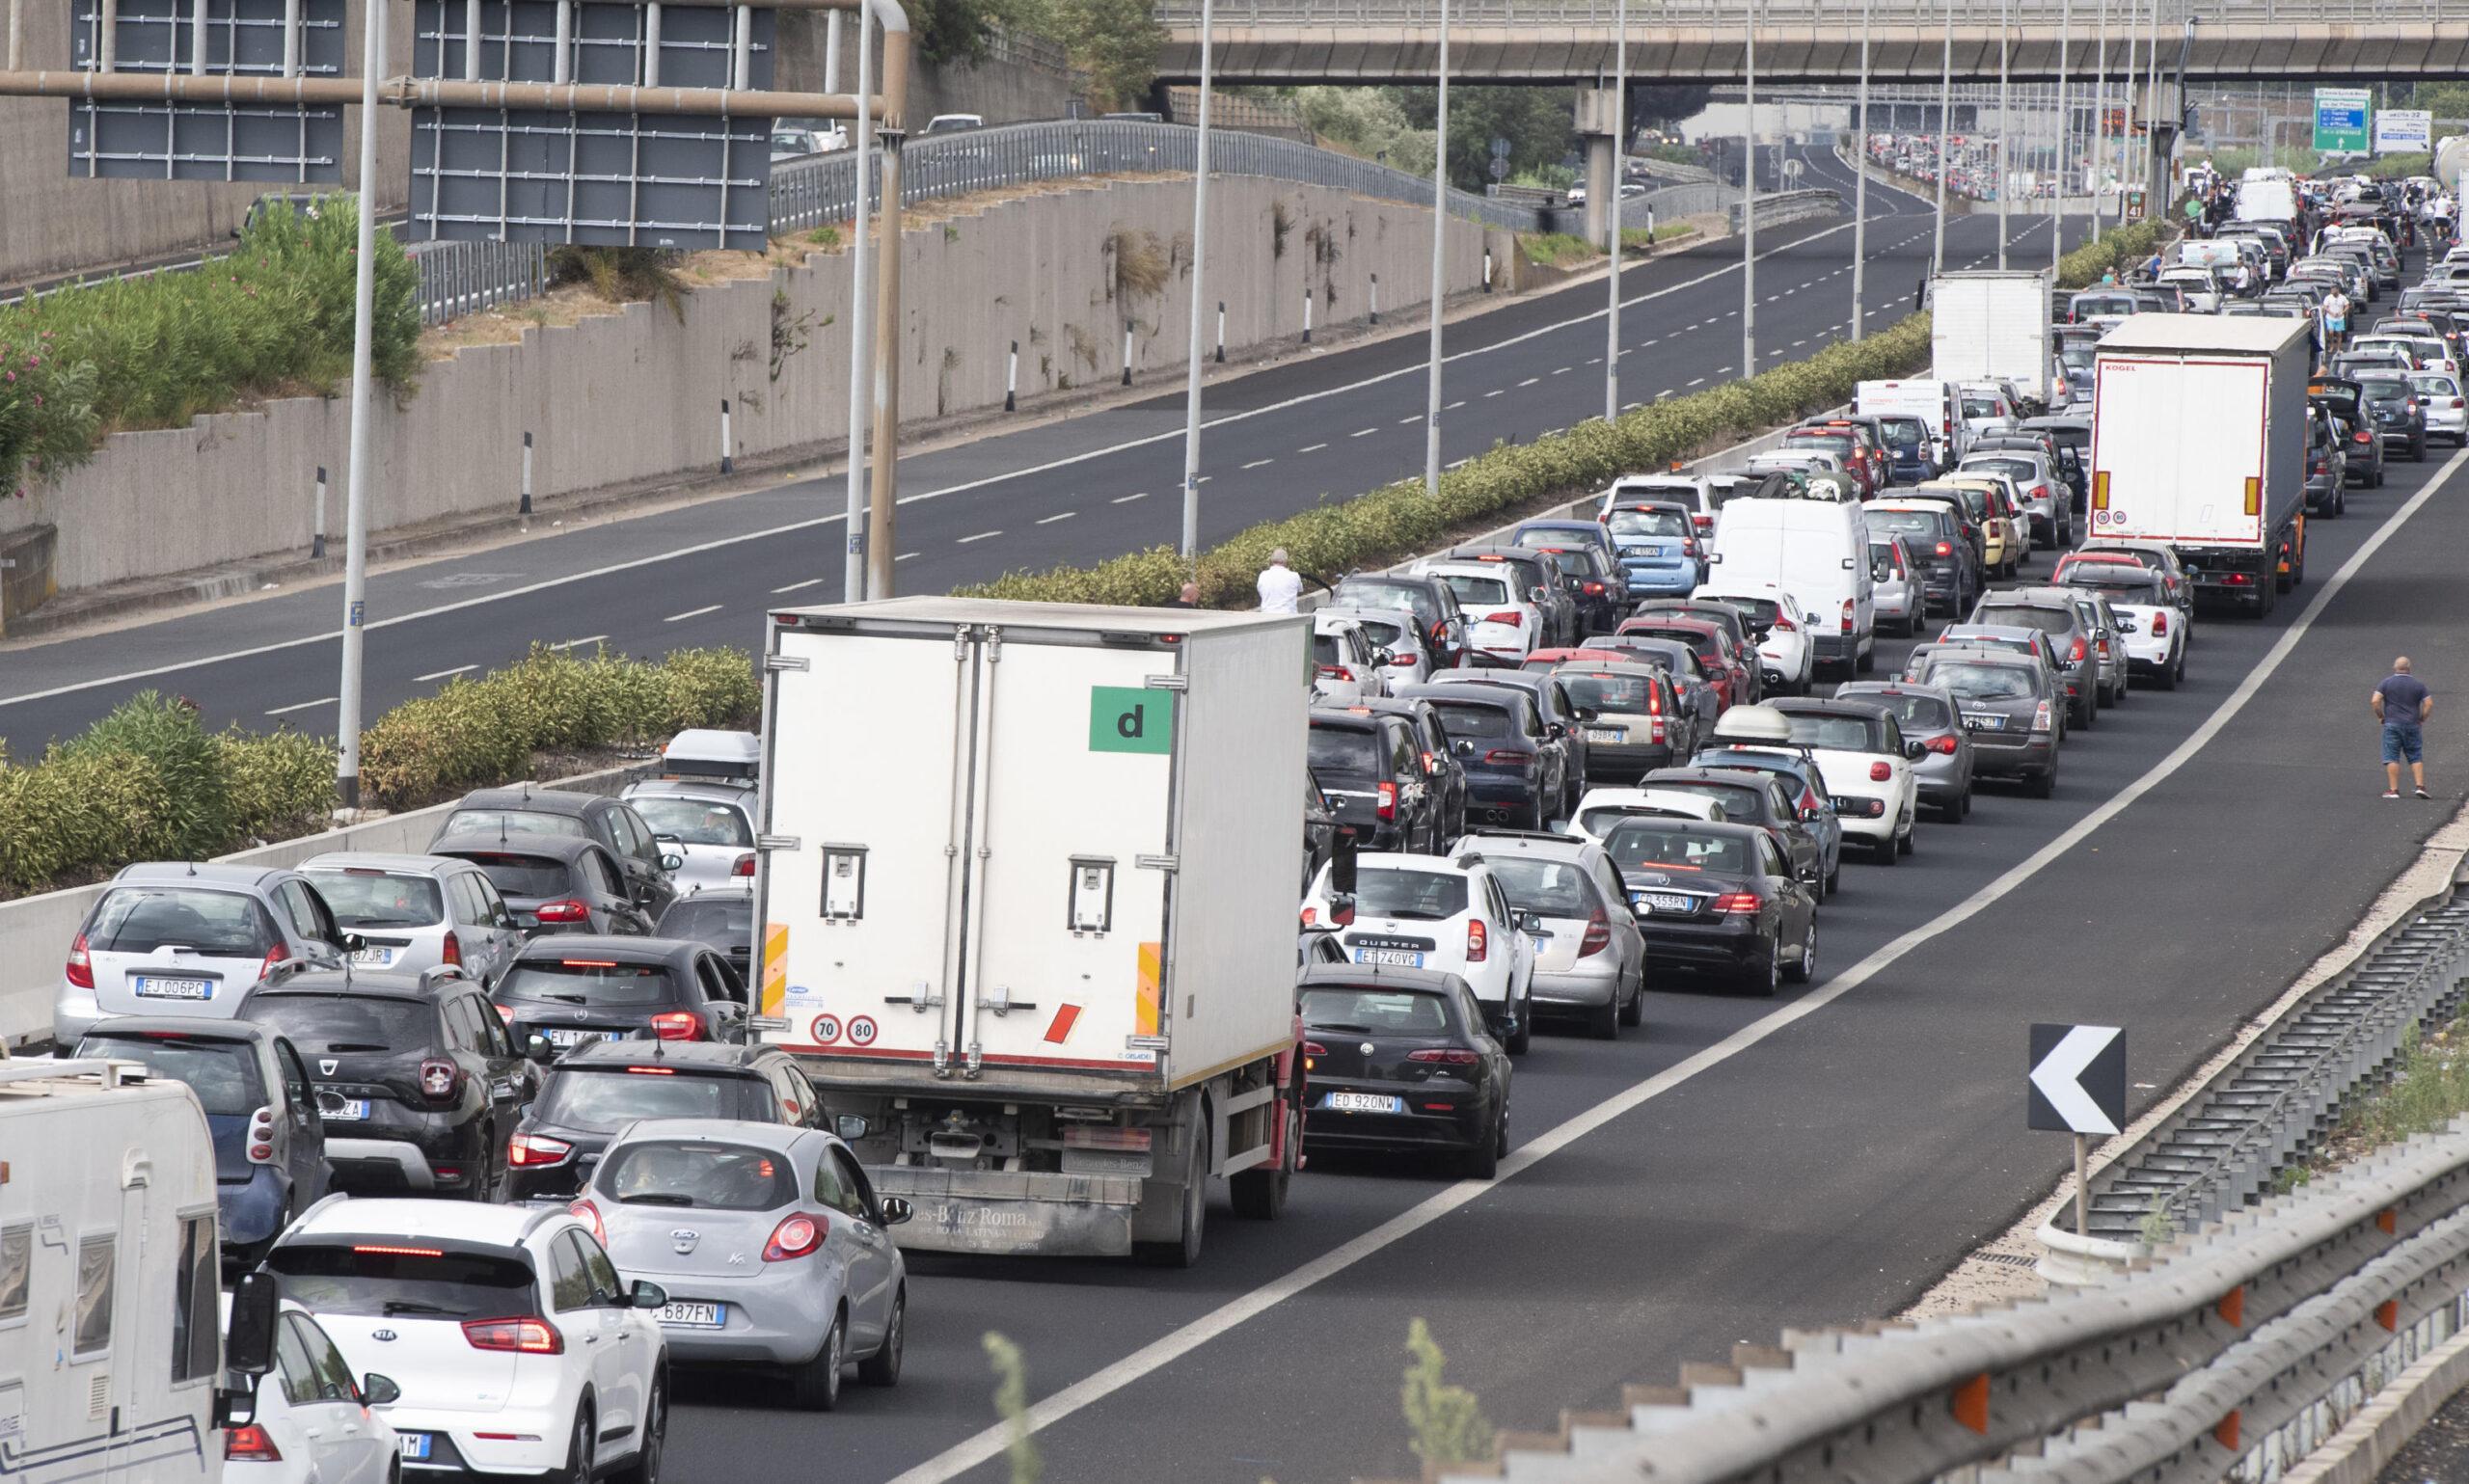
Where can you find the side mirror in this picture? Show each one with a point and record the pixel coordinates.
(896, 1211)
(647, 1295)
(851, 1126)
(670, 860)
(1588, 713)
(352, 943)
(1342, 910)
(1530, 922)
(1914, 751)
(376, 1391)
(539, 1048)
(248, 1342)
(2125, 624)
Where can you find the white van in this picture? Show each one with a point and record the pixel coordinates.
(1933, 402)
(107, 1230)
(1818, 552)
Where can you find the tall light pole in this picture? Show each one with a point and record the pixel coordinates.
(1200, 261)
(1439, 260)
(1620, 177)
(1749, 209)
(364, 315)
(852, 579)
(2151, 101)
(2099, 114)
(1861, 175)
(2005, 174)
(1946, 135)
(2057, 202)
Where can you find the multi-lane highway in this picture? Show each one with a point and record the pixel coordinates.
(1311, 428)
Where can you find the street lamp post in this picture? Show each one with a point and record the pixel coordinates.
(1861, 175)
(1620, 177)
(1200, 262)
(1439, 260)
(861, 295)
(2065, 126)
(1748, 208)
(1946, 135)
(2100, 115)
(2005, 174)
(364, 313)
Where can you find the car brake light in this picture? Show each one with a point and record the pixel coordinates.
(1509, 616)
(81, 966)
(1943, 743)
(743, 866)
(795, 1236)
(439, 1080)
(279, 954)
(2075, 654)
(1880, 773)
(1315, 1048)
(1598, 935)
(2362, 435)
(1849, 612)
(1737, 902)
(1594, 589)
(2160, 624)
(1654, 700)
(1945, 548)
(1479, 942)
(526, 1335)
(588, 1214)
(1689, 546)
(2105, 649)
(568, 911)
(534, 1150)
(1785, 624)
(261, 1137)
(1505, 757)
(678, 1025)
(1337, 673)
(249, 1443)
(1388, 801)
(1311, 915)
(452, 952)
(1707, 522)
(1451, 1056)
(2041, 717)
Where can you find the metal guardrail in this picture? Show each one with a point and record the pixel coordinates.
(2246, 1336)
(1775, 209)
(463, 277)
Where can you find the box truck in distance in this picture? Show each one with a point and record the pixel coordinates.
(2199, 440)
(1027, 910)
(1993, 326)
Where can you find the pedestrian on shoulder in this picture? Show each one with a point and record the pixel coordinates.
(2401, 703)
(1188, 598)
(1279, 585)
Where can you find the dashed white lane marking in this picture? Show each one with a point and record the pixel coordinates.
(679, 618)
(422, 680)
(981, 535)
(1125, 500)
(797, 586)
(1049, 520)
(277, 711)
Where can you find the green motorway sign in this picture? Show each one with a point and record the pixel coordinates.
(2341, 118)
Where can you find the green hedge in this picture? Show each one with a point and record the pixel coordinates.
(148, 782)
(272, 319)
(2082, 268)
(1397, 521)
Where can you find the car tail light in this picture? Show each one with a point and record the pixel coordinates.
(2362, 435)
(81, 966)
(1784, 624)
(2075, 653)
(1598, 935)
(1509, 616)
(533, 1150)
(2105, 649)
(1315, 1048)
(452, 952)
(1505, 758)
(526, 1335)
(1337, 673)
(506, 1013)
(1738, 902)
(2041, 717)
(2160, 624)
(678, 1025)
(1707, 522)
(279, 954)
(1849, 611)
(1689, 546)
(1880, 773)
(588, 1214)
(743, 866)
(261, 1137)
(1595, 590)
(1943, 744)
(247, 1443)
(1945, 548)
(1311, 915)
(795, 1236)
(1478, 941)
(1387, 807)
(1451, 1056)
(1402, 661)
(439, 1080)
(568, 911)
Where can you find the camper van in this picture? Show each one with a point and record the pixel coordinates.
(111, 1346)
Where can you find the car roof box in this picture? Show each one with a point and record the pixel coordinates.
(709, 753)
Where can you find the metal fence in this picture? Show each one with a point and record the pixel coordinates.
(463, 277)
(1732, 14)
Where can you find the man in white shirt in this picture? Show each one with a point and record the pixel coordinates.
(1279, 585)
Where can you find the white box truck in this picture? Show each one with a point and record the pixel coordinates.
(1026, 887)
(2199, 440)
(1993, 326)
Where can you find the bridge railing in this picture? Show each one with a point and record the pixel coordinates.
(1668, 13)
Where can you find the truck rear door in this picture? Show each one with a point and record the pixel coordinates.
(2153, 476)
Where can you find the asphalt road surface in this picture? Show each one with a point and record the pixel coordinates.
(1314, 428)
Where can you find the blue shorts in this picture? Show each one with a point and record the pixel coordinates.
(2403, 743)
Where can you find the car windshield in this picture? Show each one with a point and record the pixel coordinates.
(340, 1022)
(1648, 522)
(1399, 595)
(586, 982)
(1625, 693)
(1395, 891)
(1656, 844)
(699, 1174)
(1902, 522)
(401, 1278)
(694, 821)
(603, 1099)
(1344, 752)
(214, 924)
(723, 922)
(1974, 681)
(1916, 712)
(1466, 718)
(1550, 888)
(1373, 1011)
(524, 875)
(222, 1074)
(1472, 589)
(1835, 733)
(362, 898)
(513, 821)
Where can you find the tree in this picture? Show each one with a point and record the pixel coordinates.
(1666, 102)
(1116, 40)
(1538, 124)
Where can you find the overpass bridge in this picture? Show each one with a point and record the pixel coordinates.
(1803, 41)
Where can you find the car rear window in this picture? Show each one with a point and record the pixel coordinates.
(1625, 693)
(395, 1278)
(2380, 389)
(726, 922)
(490, 821)
(1466, 718)
(700, 1174)
(1903, 523)
(1600, 821)
(2021, 470)
(360, 897)
(1382, 635)
(1837, 733)
(2020, 616)
(694, 821)
(524, 875)
(320, 1022)
(222, 1074)
(216, 924)
(1553, 888)
(1327, 650)
(1739, 802)
(1916, 712)
(1980, 407)
(1373, 1011)
(1387, 595)
(1571, 562)
(1904, 434)
(1760, 612)
(2117, 579)
(1391, 891)
(603, 1099)
(1971, 681)
(1471, 589)
(584, 981)
(1649, 844)
(1344, 752)
(1648, 522)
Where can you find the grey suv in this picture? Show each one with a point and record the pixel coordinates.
(2073, 632)
(1589, 958)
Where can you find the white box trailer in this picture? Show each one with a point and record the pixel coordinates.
(1027, 886)
(1993, 326)
(2199, 440)
(110, 1330)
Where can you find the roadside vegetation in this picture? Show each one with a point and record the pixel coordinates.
(273, 319)
(2428, 1087)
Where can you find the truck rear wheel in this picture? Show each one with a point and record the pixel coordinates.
(1184, 1251)
(1260, 1195)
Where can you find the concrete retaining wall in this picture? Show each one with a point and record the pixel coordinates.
(635, 396)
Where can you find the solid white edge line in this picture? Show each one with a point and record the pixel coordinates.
(990, 1444)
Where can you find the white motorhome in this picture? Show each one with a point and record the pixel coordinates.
(110, 1326)
(1818, 552)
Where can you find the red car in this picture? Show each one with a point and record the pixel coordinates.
(1713, 648)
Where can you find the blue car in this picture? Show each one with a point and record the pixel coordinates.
(269, 1142)
(1817, 806)
(1660, 554)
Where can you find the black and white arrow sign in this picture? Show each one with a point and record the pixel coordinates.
(2078, 1078)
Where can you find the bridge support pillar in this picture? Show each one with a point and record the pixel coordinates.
(1598, 115)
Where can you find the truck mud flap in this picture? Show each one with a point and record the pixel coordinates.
(1003, 1213)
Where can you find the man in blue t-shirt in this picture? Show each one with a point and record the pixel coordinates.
(2401, 703)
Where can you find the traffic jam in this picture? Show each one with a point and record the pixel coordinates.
(581, 1088)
